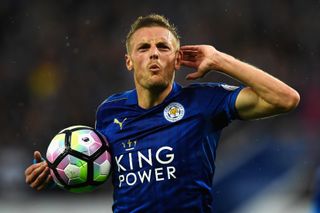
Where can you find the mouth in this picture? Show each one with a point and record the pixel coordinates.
(154, 67)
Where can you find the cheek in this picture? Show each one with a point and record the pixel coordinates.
(139, 62)
(171, 63)
(139, 68)
(136, 66)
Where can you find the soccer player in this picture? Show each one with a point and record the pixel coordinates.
(164, 136)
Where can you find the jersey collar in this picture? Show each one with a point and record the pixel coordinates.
(133, 98)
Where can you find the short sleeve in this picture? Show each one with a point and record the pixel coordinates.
(218, 102)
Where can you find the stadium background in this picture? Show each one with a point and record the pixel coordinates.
(60, 59)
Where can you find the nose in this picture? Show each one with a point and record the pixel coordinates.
(154, 53)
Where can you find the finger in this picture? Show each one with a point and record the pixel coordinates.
(45, 183)
(189, 47)
(188, 63)
(194, 75)
(31, 168)
(189, 55)
(40, 178)
(37, 156)
(189, 58)
(33, 174)
(188, 52)
(30, 178)
(194, 52)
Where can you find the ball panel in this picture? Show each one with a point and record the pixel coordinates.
(102, 167)
(63, 176)
(55, 179)
(72, 170)
(101, 171)
(103, 157)
(85, 141)
(56, 147)
(75, 174)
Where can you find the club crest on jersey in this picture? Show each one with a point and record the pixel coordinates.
(173, 112)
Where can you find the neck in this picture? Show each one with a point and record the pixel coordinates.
(148, 98)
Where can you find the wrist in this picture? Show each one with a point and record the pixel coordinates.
(224, 62)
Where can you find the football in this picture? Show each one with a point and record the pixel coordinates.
(79, 159)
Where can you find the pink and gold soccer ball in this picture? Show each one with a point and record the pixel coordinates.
(79, 158)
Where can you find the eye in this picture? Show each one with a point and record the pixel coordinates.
(143, 47)
(163, 46)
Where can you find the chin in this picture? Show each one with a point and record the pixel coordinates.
(157, 85)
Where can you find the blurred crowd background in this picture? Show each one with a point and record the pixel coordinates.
(60, 59)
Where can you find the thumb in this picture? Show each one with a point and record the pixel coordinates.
(194, 75)
(37, 157)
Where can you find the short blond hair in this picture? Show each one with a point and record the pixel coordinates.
(152, 20)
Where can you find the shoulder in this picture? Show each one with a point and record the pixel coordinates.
(116, 99)
(213, 94)
(222, 87)
(118, 96)
(113, 105)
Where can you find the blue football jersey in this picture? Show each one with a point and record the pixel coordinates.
(163, 157)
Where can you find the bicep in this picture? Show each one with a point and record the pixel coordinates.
(251, 106)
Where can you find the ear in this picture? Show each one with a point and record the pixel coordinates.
(178, 60)
(128, 62)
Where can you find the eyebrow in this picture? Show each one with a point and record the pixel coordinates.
(147, 44)
(163, 43)
(143, 44)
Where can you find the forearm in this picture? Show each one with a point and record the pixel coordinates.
(267, 87)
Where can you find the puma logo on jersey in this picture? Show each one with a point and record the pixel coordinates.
(116, 121)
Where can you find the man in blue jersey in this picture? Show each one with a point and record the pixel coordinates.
(163, 137)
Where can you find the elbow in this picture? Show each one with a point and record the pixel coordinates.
(290, 101)
(293, 100)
